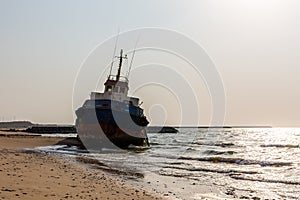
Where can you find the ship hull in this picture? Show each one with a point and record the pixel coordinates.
(107, 127)
(98, 136)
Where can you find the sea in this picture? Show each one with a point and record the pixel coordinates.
(205, 163)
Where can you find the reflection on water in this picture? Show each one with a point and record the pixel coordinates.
(229, 163)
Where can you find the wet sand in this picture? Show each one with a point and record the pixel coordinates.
(30, 175)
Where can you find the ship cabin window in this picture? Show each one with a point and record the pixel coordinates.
(108, 88)
(116, 89)
(122, 90)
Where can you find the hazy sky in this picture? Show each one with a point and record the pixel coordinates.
(255, 45)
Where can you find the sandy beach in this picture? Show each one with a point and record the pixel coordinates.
(30, 175)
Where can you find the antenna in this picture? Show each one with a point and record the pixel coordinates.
(137, 40)
(120, 64)
(112, 61)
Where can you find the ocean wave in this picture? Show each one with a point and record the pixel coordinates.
(221, 144)
(191, 149)
(154, 143)
(240, 177)
(214, 152)
(281, 145)
(96, 164)
(239, 161)
(221, 171)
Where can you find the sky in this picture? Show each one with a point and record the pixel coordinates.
(254, 45)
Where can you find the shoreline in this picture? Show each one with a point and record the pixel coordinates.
(31, 175)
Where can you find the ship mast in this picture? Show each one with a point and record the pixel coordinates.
(120, 64)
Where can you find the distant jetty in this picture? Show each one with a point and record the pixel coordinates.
(246, 126)
(227, 127)
(27, 126)
(15, 125)
(48, 129)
